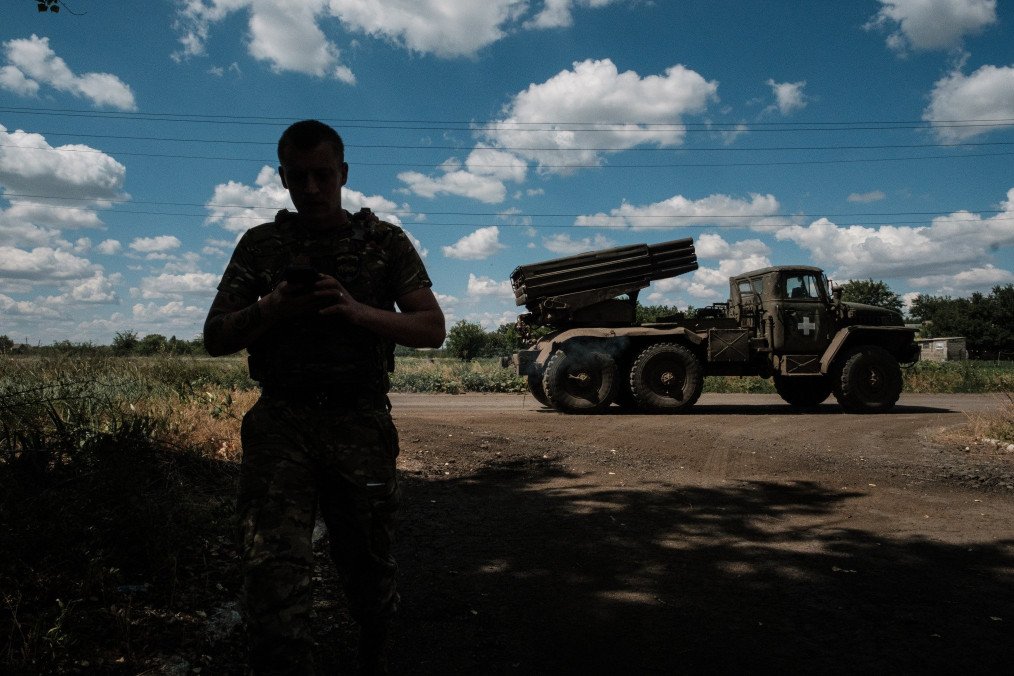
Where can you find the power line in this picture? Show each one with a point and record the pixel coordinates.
(394, 146)
(534, 126)
(476, 214)
(584, 165)
(466, 213)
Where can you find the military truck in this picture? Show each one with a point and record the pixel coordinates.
(786, 323)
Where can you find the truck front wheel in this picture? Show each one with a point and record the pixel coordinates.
(868, 380)
(666, 377)
(580, 381)
(803, 392)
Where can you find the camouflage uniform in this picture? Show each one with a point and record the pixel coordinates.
(321, 433)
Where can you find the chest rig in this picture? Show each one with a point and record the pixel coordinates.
(328, 350)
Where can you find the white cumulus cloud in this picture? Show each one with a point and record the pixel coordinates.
(175, 286)
(597, 100)
(482, 177)
(713, 246)
(481, 244)
(238, 207)
(952, 244)
(558, 13)
(932, 24)
(31, 62)
(980, 99)
(30, 166)
(566, 245)
(678, 211)
(484, 286)
(43, 264)
(160, 244)
(789, 96)
(292, 35)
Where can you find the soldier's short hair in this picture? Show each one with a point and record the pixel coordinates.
(307, 135)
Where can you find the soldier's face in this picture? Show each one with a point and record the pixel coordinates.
(314, 179)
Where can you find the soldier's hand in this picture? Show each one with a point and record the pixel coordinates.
(335, 297)
(287, 301)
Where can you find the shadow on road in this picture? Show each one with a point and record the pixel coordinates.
(503, 573)
(760, 410)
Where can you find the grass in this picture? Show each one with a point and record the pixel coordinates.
(997, 427)
(113, 494)
(117, 479)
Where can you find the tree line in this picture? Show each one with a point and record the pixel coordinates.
(125, 344)
(986, 321)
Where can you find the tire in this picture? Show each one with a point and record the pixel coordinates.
(666, 378)
(803, 392)
(535, 387)
(868, 380)
(580, 381)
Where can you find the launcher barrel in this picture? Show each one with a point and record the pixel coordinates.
(563, 291)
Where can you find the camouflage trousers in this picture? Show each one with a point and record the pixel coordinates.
(296, 457)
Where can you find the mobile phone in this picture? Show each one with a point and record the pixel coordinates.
(303, 275)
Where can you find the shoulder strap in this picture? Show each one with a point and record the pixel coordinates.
(364, 224)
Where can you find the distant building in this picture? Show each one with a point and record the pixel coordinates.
(942, 349)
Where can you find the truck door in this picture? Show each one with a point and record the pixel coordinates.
(750, 307)
(804, 313)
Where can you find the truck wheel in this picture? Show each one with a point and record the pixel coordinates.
(580, 381)
(666, 377)
(868, 380)
(535, 387)
(804, 392)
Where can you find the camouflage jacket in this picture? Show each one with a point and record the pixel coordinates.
(374, 261)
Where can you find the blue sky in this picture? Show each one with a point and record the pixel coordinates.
(872, 138)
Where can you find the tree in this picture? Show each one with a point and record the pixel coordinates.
(647, 314)
(871, 293)
(467, 341)
(985, 321)
(6, 344)
(125, 342)
(152, 344)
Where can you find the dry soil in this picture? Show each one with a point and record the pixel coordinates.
(739, 537)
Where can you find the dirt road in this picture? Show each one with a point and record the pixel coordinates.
(741, 537)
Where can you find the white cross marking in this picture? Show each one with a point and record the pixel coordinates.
(806, 326)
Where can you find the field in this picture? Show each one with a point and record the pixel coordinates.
(117, 479)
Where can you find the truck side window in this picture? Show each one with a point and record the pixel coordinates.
(744, 287)
(800, 286)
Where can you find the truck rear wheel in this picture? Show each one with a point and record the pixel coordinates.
(666, 377)
(803, 391)
(868, 380)
(580, 381)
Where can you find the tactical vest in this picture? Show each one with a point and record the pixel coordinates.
(315, 351)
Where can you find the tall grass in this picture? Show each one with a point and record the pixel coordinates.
(960, 377)
(453, 376)
(103, 497)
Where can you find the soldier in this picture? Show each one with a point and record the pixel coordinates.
(311, 296)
